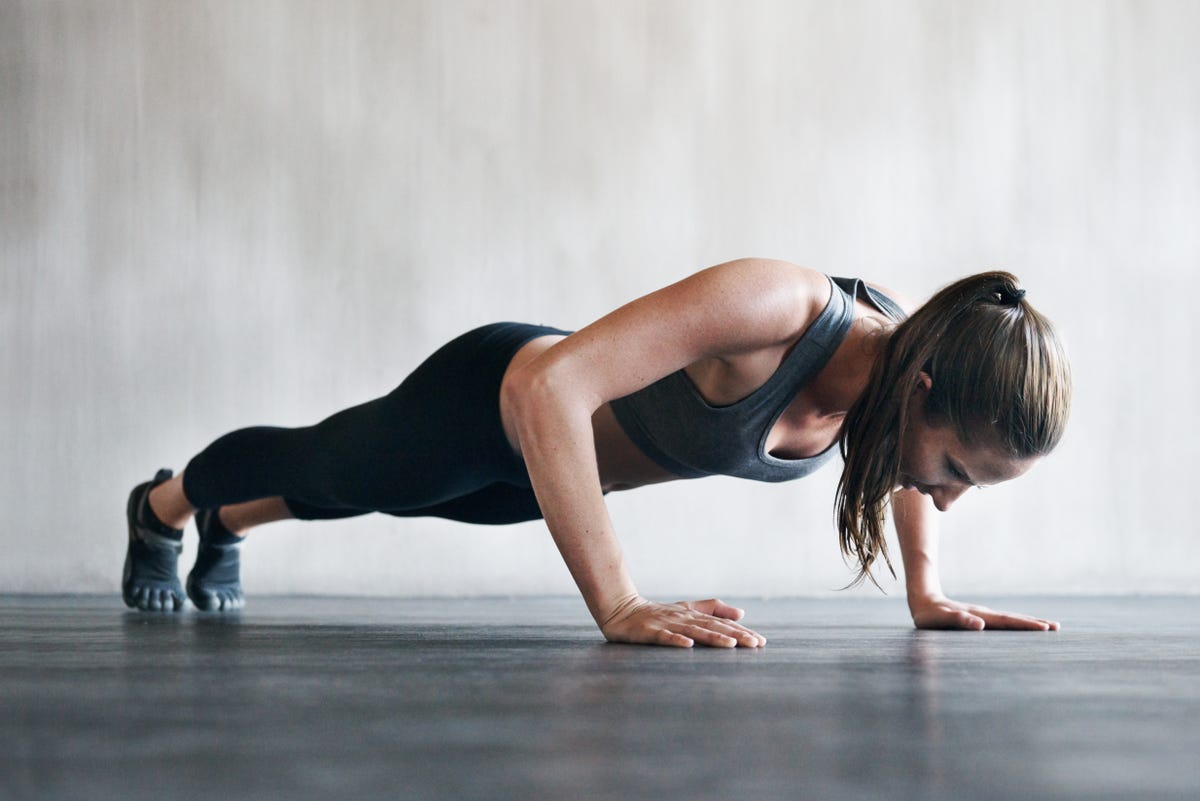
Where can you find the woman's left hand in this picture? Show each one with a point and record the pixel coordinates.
(939, 612)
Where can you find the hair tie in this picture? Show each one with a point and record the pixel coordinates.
(1008, 296)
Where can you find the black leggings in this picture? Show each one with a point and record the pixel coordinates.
(433, 446)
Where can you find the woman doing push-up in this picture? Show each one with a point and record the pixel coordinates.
(754, 368)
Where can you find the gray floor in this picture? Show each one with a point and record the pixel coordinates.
(331, 698)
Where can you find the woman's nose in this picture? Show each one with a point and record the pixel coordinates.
(944, 497)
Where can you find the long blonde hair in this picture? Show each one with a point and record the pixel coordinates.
(1000, 377)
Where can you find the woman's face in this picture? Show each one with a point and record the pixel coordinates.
(935, 462)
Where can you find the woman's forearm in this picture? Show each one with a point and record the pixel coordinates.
(917, 531)
(557, 443)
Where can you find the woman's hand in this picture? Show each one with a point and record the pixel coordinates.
(683, 624)
(939, 612)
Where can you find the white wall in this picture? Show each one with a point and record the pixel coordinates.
(218, 214)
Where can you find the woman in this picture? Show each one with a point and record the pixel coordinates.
(754, 368)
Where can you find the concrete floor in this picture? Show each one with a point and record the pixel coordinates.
(333, 698)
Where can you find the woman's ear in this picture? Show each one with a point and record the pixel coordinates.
(924, 382)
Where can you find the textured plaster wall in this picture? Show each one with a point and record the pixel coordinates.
(218, 214)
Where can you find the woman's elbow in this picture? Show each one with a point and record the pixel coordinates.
(532, 393)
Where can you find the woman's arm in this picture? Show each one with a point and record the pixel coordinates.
(916, 521)
(733, 307)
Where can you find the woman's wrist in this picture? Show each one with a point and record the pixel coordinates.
(921, 577)
(617, 608)
(924, 594)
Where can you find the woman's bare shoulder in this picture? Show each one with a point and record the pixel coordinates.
(746, 302)
(738, 306)
(786, 297)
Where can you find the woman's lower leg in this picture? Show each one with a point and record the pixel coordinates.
(169, 504)
(239, 518)
(172, 508)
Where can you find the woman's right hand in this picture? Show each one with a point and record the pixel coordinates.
(682, 624)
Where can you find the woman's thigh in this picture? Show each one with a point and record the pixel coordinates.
(436, 437)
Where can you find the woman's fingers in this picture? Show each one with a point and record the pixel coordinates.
(706, 636)
(674, 638)
(729, 633)
(681, 625)
(955, 615)
(1011, 620)
(968, 621)
(721, 610)
(688, 634)
(716, 608)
